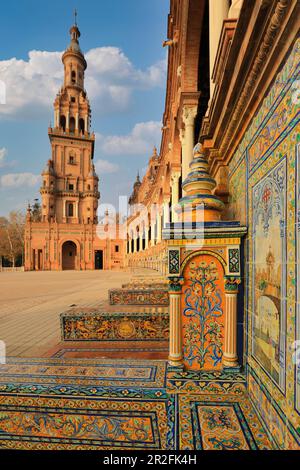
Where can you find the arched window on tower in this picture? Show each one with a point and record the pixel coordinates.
(73, 77)
(72, 124)
(81, 125)
(63, 122)
(70, 209)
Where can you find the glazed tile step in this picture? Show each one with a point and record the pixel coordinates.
(115, 323)
(139, 296)
(146, 284)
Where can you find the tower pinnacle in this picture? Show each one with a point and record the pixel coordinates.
(75, 17)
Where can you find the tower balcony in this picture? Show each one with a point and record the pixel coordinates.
(76, 134)
(95, 194)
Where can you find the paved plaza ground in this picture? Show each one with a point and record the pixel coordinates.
(30, 304)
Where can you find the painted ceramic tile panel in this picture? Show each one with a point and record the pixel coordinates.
(237, 193)
(203, 313)
(268, 280)
(297, 244)
(273, 136)
(274, 424)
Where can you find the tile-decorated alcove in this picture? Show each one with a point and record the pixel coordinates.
(204, 265)
(264, 186)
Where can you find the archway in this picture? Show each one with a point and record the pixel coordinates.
(63, 123)
(81, 125)
(69, 255)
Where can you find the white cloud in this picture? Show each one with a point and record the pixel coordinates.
(31, 85)
(139, 141)
(104, 166)
(3, 153)
(17, 180)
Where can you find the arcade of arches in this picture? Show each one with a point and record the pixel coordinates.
(215, 222)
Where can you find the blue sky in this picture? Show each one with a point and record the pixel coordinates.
(125, 81)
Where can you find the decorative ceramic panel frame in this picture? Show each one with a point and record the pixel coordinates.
(297, 246)
(272, 135)
(174, 261)
(268, 200)
(234, 262)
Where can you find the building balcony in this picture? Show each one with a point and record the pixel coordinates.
(58, 131)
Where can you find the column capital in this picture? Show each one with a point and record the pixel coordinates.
(188, 114)
(181, 136)
(232, 284)
(175, 284)
(175, 176)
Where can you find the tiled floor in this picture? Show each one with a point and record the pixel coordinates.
(114, 349)
(112, 404)
(32, 301)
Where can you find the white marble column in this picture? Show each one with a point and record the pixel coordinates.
(175, 194)
(175, 344)
(166, 212)
(230, 357)
(146, 237)
(76, 122)
(235, 9)
(187, 138)
(158, 219)
(218, 12)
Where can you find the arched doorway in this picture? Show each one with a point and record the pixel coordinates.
(69, 255)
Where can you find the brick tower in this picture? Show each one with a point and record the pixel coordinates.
(70, 184)
(66, 237)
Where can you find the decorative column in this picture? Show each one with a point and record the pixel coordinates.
(141, 234)
(146, 237)
(183, 148)
(175, 345)
(135, 241)
(175, 194)
(56, 118)
(218, 11)
(235, 9)
(158, 227)
(76, 122)
(188, 116)
(67, 121)
(166, 212)
(230, 357)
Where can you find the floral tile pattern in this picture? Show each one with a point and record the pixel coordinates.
(129, 405)
(83, 372)
(215, 422)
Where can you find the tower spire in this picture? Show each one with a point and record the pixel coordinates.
(75, 17)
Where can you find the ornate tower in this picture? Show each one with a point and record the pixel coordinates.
(68, 236)
(70, 185)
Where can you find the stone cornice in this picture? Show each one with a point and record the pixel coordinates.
(266, 25)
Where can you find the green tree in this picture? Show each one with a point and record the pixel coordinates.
(12, 237)
(36, 211)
